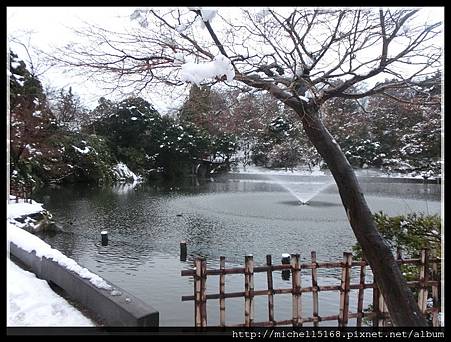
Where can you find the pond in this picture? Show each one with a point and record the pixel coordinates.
(232, 215)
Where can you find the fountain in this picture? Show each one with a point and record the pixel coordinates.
(303, 191)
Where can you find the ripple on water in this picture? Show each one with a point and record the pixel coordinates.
(229, 219)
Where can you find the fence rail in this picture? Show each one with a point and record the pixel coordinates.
(20, 191)
(379, 314)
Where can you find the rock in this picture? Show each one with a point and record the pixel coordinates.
(39, 222)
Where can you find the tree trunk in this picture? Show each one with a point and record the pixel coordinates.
(401, 304)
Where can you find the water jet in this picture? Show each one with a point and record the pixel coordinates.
(303, 191)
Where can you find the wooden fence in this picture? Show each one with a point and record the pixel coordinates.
(21, 191)
(379, 316)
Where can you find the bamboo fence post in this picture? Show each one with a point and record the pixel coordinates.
(270, 289)
(248, 290)
(435, 294)
(424, 270)
(197, 292)
(203, 282)
(384, 311)
(380, 315)
(361, 293)
(315, 289)
(296, 288)
(222, 291)
(344, 289)
(376, 310)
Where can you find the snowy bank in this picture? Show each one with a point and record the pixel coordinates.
(22, 208)
(31, 302)
(29, 242)
(411, 175)
(122, 173)
(257, 170)
(31, 216)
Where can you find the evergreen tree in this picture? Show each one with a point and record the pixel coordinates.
(31, 122)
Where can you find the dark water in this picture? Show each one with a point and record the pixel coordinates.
(232, 216)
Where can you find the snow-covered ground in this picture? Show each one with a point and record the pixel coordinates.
(31, 302)
(258, 170)
(317, 172)
(16, 210)
(29, 242)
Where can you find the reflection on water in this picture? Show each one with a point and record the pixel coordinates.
(231, 216)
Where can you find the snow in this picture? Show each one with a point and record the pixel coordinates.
(82, 151)
(15, 65)
(309, 94)
(370, 172)
(179, 58)
(299, 70)
(31, 302)
(16, 210)
(180, 28)
(135, 15)
(265, 171)
(19, 79)
(123, 173)
(207, 15)
(29, 242)
(260, 15)
(196, 73)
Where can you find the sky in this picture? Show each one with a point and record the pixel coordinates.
(51, 26)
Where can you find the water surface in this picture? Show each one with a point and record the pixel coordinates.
(233, 215)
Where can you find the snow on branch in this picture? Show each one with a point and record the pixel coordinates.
(207, 15)
(218, 68)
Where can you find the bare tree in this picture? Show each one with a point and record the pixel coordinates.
(302, 57)
(33, 60)
(67, 108)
